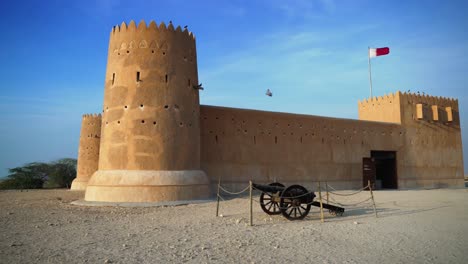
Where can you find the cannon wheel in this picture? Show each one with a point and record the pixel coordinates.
(293, 208)
(340, 213)
(337, 213)
(270, 202)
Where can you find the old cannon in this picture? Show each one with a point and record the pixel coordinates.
(293, 202)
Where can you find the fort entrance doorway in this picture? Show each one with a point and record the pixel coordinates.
(380, 169)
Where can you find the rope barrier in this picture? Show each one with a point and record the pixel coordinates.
(353, 204)
(233, 193)
(221, 197)
(347, 194)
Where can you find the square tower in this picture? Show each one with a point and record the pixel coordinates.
(432, 154)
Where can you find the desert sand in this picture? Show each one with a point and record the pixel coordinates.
(417, 226)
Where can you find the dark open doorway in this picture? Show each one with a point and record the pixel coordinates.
(380, 170)
(385, 169)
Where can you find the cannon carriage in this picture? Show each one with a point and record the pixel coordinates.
(293, 202)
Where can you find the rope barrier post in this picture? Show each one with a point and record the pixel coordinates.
(321, 204)
(217, 196)
(326, 188)
(251, 205)
(372, 196)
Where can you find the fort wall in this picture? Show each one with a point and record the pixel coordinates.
(88, 150)
(239, 145)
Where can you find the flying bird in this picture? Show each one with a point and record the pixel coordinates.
(269, 93)
(198, 87)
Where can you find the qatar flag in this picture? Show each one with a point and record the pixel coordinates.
(378, 52)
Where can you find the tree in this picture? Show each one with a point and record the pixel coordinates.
(30, 176)
(57, 174)
(61, 173)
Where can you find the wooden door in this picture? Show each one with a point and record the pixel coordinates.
(368, 172)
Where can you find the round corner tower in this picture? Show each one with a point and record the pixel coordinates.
(150, 140)
(88, 151)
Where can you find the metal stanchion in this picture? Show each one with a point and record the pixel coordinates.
(321, 204)
(217, 196)
(372, 196)
(326, 189)
(251, 205)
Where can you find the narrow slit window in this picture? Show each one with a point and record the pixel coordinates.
(189, 83)
(166, 78)
(138, 77)
(113, 78)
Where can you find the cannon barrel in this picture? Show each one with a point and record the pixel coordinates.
(268, 188)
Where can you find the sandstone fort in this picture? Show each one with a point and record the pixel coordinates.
(155, 142)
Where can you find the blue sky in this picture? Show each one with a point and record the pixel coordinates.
(311, 53)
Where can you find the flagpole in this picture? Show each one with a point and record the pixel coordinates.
(370, 72)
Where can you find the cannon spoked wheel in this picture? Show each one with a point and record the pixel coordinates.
(336, 212)
(293, 202)
(269, 202)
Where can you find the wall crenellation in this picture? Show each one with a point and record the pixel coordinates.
(132, 27)
(411, 97)
(414, 98)
(89, 116)
(380, 99)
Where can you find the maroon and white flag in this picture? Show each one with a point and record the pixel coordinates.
(378, 52)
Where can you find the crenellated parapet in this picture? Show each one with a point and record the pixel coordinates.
(405, 97)
(151, 40)
(387, 98)
(412, 98)
(88, 150)
(406, 108)
(152, 28)
(381, 108)
(431, 109)
(92, 116)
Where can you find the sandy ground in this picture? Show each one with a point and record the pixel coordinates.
(425, 226)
